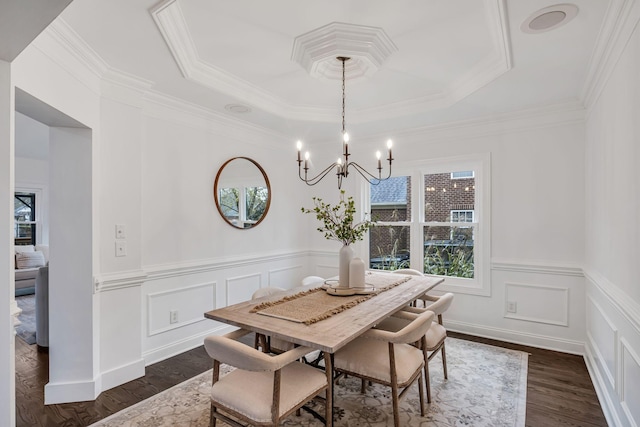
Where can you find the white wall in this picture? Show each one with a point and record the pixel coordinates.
(7, 285)
(613, 231)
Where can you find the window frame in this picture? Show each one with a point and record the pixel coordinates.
(480, 163)
(40, 209)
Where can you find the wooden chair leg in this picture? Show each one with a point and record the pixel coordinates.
(362, 385)
(444, 363)
(212, 420)
(427, 381)
(396, 409)
(421, 393)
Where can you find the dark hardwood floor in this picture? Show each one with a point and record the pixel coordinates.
(559, 391)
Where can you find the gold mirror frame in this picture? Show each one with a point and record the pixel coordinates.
(217, 198)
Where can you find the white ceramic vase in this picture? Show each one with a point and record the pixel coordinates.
(346, 255)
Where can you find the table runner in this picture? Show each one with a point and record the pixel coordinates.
(313, 305)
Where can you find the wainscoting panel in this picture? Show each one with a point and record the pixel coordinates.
(188, 303)
(611, 312)
(241, 288)
(286, 277)
(603, 338)
(630, 396)
(537, 303)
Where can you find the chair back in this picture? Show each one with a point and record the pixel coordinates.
(442, 304)
(313, 280)
(414, 330)
(239, 355)
(269, 290)
(409, 271)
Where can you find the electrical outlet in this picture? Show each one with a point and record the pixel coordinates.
(173, 316)
(512, 307)
(121, 248)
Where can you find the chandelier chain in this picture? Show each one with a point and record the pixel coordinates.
(343, 96)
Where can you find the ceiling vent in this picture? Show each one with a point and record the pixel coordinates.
(549, 18)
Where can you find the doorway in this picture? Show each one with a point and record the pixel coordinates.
(60, 161)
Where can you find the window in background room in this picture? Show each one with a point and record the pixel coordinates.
(24, 212)
(443, 229)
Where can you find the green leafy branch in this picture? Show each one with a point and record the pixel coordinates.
(337, 221)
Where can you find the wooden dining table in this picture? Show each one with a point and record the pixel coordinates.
(330, 334)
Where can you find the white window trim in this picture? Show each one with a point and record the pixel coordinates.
(481, 164)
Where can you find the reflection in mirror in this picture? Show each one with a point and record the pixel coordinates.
(242, 192)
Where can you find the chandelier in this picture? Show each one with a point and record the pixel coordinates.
(343, 164)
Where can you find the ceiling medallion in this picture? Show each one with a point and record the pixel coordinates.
(343, 164)
(368, 48)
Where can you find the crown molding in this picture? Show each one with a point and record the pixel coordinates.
(170, 21)
(165, 107)
(75, 56)
(566, 113)
(620, 21)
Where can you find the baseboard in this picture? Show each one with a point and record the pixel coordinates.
(161, 353)
(517, 337)
(70, 392)
(600, 387)
(122, 374)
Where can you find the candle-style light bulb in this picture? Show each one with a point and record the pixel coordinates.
(378, 154)
(306, 160)
(299, 146)
(389, 145)
(345, 138)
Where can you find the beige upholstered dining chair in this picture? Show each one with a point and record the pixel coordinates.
(312, 281)
(410, 272)
(263, 389)
(268, 344)
(277, 345)
(435, 336)
(394, 359)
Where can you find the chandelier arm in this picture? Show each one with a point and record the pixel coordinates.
(316, 179)
(368, 175)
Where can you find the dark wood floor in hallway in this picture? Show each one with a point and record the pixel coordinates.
(559, 390)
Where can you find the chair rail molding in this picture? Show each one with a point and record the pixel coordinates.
(539, 267)
(119, 280)
(164, 271)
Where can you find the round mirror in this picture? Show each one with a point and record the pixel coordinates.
(242, 192)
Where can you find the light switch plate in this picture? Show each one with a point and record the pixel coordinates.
(120, 231)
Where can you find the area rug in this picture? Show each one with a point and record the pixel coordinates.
(487, 386)
(26, 330)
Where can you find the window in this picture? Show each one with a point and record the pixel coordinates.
(422, 227)
(389, 240)
(24, 212)
(462, 174)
